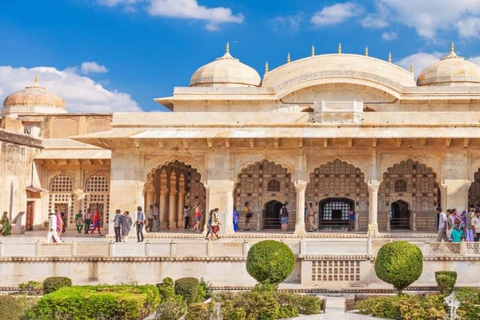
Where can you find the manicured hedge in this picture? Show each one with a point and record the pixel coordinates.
(97, 302)
(270, 261)
(446, 281)
(10, 308)
(187, 288)
(165, 289)
(52, 284)
(399, 263)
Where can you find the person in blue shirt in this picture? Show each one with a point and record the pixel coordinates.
(140, 223)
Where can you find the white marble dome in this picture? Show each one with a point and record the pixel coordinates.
(225, 71)
(451, 70)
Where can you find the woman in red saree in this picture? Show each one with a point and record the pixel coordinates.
(59, 225)
(96, 222)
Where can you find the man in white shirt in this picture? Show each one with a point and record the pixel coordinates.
(476, 226)
(442, 226)
(52, 229)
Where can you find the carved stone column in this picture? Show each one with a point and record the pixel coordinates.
(373, 187)
(300, 219)
(149, 194)
(229, 213)
(172, 208)
(181, 204)
(164, 206)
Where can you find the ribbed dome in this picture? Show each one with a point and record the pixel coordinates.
(450, 71)
(33, 96)
(225, 71)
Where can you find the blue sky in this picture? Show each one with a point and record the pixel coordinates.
(117, 55)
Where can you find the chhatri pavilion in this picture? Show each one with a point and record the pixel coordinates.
(341, 131)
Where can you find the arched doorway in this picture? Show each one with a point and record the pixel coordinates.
(400, 215)
(258, 184)
(343, 185)
(474, 191)
(417, 185)
(334, 213)
(171, 187)
(271, 217)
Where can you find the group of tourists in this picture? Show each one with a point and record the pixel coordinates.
(122, 223)
(455, 227)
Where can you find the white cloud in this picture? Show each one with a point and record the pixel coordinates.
(80, 93)
(93, 67)
(428, 17)
(336, 14)
(420, 60)
(475, 60)
(389, 35)
(182, 9)
(287, 23)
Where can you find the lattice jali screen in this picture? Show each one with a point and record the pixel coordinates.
(97, 183)
(97, 196)
(336, 270)
(62, 199)
(61, 183)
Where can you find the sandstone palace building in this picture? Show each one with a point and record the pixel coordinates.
(341, 131)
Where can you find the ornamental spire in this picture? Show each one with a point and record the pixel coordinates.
(339, 48)
(35, 81)
(390, 57)
(266, 67)
(288, 58)
(227, 48)
(412, 70)
(366, 51)
(313, 50)
(452, 47)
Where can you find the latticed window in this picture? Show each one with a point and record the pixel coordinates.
(96, 183)
(61, 183)
(400, 185)
(274, 185)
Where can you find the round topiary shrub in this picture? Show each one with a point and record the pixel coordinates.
(399, 263)
(52, 284)
(270, 261)
(445, 281)
(187, 288)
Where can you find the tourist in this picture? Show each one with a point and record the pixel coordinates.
(52, 235)
(248, 216)
(198, 218)
(235, 219)
(139, 223)
(457, 231)
(186, 217)
(87, 218)
(442, 226)
(351, 220)
(215, 225)
(209, 224)
(64, 221)
(311, 217)
(117, 225)
(6, 227)
(79, 221)
(450, 223)
(156, 217)
(60, 223)
(150, 219)
(126, 225)
(96, 222)
(476, 226)
(284, 216)
(468, 224)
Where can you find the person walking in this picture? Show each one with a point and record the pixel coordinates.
(442, 226)
(126, 225)
(284, 216)
(186, 217)
(209, 224)
(96, 222)
(60, 224)
(52, 235)
(458, 231)
(150, 220)
(248, 215)
(117, 225)
(139, 223)
(476, 226)
(87, 219)
(236, 219)
(311, 217)
(79, 221)
(215, 225)
(6, 227)
(64, 221)
(450, 223)
(467, 220)
(156, 217)
(351, 220)
(198, 218)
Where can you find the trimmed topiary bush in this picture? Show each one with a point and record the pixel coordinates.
(187, 288)
(10, 308)
(270, 261)
(52, 284)
(399, 263)
(165, 289)
(445, 281)
(97, 302)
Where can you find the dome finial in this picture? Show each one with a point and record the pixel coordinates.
(412, 70)
(227, 48)
(390, 57)
(266, 67)
(366, 51)
(313, 50)
(288, 58)
(35, 81)
(339, 48)
(452, 47)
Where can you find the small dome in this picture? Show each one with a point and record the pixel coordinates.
(225, 71)
(452, 70)
(34, 96)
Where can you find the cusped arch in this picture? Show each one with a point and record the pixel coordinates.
(290, 170)
(397, 164)
(62, 182)
(97, 182)
(390, 163)
(160, 165)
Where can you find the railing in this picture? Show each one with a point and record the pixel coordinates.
(452, 249)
